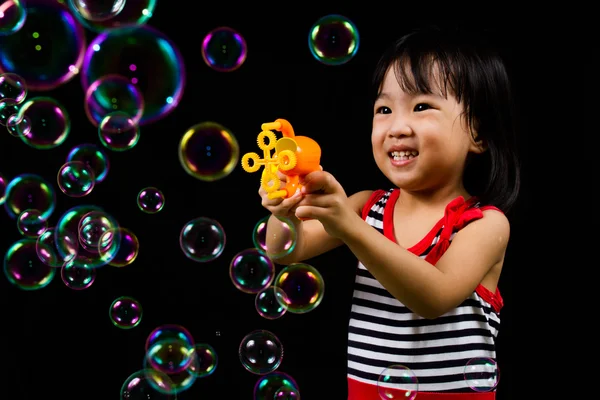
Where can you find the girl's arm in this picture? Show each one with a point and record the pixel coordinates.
(431, 291)
(312, 240)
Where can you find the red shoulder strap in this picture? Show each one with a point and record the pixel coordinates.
(375, 196)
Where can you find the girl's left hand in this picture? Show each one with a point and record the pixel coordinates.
(324, 199)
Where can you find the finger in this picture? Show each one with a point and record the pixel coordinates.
(282, 177)
(317, 200)
(308, 212)
(315, 181)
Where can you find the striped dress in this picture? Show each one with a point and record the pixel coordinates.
(383, 332)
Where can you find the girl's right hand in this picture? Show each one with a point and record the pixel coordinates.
(281, 207)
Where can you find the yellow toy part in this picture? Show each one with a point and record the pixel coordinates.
(294, 156)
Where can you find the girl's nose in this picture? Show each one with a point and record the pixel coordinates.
(400, 127)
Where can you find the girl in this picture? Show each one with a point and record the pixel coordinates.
(430, 250)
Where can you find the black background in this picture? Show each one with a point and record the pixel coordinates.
(60, 343)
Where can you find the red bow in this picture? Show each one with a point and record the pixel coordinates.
(458, 213)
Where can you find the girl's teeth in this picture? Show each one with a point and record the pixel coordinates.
(403, 158)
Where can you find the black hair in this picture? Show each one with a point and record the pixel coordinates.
(477, 76)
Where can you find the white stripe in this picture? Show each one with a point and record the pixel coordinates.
(412, 330)
(408, 345)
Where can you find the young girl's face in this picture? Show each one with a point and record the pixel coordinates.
(420, 141)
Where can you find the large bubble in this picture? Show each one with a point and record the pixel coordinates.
(147, 58)
(48, 50)
(132, 12)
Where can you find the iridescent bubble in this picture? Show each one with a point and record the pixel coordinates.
(150, 200)
(12, 16)
(147, 58)
(75, 179)
(205, 360)
(202, 239)
(333, 40)
(271, 303)
(3, 184)
(125, 312)
(224, 49)
(303, 285)
(169, 331)
(251, 271)
(31, 223)
(170, 356)
(29, 191)
(92, 156)
(261, 352)
(12, 86)
(147, 384)
(92, 227)
(97, 11)
(8, 108)
(18, 126)
(111, 93)
(397, 382)
(482, 374)
(182, 380)
(49, 120)
(134, 12)
(49, 48)
(119, 247)
(68, 227)
(282, 231)
(77, 276)
(47, 249)
(287, 393)
(266, 386)
(118, 131)
(24, 269)
(208, 151)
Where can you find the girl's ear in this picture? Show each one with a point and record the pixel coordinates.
(478, 145)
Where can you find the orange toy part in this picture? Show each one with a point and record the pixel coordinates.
(295, 156)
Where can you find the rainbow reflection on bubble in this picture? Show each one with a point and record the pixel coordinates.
(224, 49)
(24, 269)
(251, 271)
(144, 56)
(49, 123)
(48, 50)
(29, 191)
(147, 383)
(92, 156)
(208, 151)
(268, 385)
(202, 239)
(12, 16)
(133, 12)
(333, 40)
(398, 382)
(125, 312)
(303, 285)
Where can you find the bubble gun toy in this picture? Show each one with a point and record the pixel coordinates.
(295, 156)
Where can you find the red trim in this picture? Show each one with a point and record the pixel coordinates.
(495, 299)
(363, 391)
(374, 198)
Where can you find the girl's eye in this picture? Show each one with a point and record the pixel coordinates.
(422, 107)
(383, 110)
